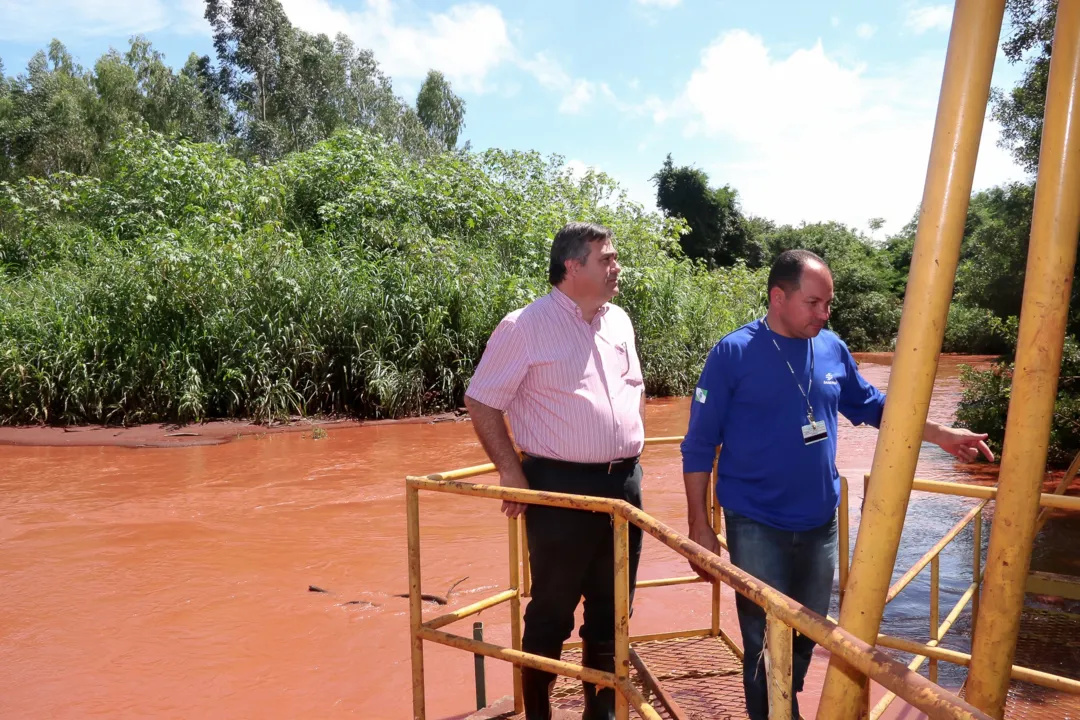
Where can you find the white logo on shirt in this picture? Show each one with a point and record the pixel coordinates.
(700, 394)
(830, 380)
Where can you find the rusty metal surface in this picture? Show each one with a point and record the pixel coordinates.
(1049, 641)
(702, 675)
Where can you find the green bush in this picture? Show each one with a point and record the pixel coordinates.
(351, 278)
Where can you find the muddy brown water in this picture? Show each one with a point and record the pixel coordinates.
(174, 582)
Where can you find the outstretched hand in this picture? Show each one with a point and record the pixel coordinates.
(963, 444)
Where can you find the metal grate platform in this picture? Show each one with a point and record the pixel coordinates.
(1049, 641)
(703, 675)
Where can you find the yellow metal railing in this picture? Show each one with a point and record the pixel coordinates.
(783, 614)
(931, 650)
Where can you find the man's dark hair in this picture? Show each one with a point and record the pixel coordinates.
(572, 243)
(787, 269)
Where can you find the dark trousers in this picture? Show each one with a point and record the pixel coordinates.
(799, 564)
(572, 555)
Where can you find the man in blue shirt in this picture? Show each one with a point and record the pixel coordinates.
(770, 393)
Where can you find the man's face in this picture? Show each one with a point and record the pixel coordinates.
(806, 310)
(598, 276)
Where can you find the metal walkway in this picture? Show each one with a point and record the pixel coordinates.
(1049, 641)
(702, 675)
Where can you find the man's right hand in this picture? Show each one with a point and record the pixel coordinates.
(513, 480)
(702, 533)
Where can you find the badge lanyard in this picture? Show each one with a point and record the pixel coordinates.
(810, 384)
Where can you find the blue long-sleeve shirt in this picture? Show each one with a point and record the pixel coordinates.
(748, 402)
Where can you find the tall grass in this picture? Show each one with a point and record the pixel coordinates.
(184, 285)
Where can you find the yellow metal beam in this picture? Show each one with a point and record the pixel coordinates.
(1044, 583)
(778, 653)
(1051, 258)
(622, 613)
(515, 607)
(416, 610)
(965, 88)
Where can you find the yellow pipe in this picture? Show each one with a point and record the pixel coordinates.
(1055, 225)
(715, 515)
(649, 637)
(636, 700)
(515, 609)
(915, 664)
(916, 690)
(1062, 487)
(650, 681)
(622, 614)
(1035, 677)
(935, 566)
(778, 641)
(976, 569)
(664, 582)
(842, 537)
(518, 658)
(931, 554)
(1050, 500)
(965, 88)
(526, 564)
(462, 613)
(412, 519)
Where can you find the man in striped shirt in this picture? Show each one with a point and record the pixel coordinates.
(565, 370)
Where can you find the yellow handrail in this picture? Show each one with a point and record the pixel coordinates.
(918, 691)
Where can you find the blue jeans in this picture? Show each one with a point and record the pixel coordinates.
(799, 564)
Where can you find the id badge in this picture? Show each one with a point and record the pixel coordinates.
(814, 432)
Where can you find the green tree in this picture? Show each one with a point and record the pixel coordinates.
(44, 123)
(1020, 110)
(718, 233)
(866, 311)
(440, 110)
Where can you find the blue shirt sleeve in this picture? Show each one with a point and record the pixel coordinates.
(708, 411)
(860, 402)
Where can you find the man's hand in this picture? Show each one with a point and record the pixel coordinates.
(702, 533)
(958, 442)
(513, 480)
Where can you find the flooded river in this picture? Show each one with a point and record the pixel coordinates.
(174, 582)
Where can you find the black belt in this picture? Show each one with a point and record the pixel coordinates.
(607, 468)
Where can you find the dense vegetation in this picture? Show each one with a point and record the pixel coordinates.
(349, 278)
(273, 231)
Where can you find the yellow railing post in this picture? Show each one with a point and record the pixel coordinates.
(416, 610)
(526, 568)
(935, 611)
(622, 614)
(965, 88)
(843, 539)
(715, 515)
(976, 571)
(778, 644)
(515, 608)
(1043, 316)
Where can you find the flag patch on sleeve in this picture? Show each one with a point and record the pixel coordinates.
(700, 394)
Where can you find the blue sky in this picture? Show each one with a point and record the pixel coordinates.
(813, 110)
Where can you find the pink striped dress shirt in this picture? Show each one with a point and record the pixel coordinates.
(571, 389)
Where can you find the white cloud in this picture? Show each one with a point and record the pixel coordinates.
(41, 20)
(659, 3)
(466, 42)
(865, 31)
(810, 138)
(835, 21)
(577, 93)
(922, 18)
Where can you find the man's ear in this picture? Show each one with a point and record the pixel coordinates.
(777, 296)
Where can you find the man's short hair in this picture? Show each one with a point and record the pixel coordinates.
(572, 243)
(787, 269)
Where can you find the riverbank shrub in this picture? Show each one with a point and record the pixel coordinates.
(183, 284)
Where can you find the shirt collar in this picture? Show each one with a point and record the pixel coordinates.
(563, 300)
